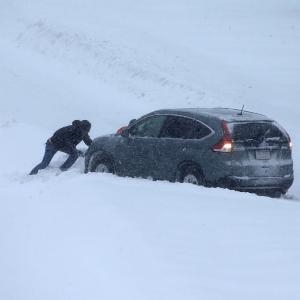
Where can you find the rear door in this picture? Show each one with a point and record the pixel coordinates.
(262, 148)
(181, 139)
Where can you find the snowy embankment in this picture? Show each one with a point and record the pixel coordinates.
(99, 236)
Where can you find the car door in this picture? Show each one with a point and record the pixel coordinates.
(140, 147)
(181, 139)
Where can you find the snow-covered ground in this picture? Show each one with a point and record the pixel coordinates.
(77, 236)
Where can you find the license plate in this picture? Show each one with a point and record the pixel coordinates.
(263, 154)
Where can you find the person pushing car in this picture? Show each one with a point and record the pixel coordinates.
(65, 140)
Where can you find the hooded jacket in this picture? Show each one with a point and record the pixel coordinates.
(67, 138)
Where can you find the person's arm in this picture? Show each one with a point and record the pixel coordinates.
(71, 147)
(87, 140)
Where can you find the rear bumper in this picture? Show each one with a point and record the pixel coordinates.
(259, 183)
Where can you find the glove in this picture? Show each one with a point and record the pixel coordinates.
(80, 153)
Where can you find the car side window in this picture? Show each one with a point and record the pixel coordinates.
(148, 127)
(184, 128)
(200, 130)
(178, 127)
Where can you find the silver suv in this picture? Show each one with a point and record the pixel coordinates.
(217, 147)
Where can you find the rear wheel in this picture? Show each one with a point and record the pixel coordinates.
(271, 193)
(190, 174)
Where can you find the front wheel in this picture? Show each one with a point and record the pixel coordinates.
(101, 164)
(103, 167)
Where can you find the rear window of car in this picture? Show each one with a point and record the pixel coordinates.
(257, 132)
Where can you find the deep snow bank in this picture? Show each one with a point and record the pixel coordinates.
(90, 236)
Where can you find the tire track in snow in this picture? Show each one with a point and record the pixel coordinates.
(142, 75)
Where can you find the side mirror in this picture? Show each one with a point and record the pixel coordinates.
(131, 122)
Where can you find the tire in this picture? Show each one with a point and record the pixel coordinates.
(190, 174)
(271, 193)
(277, 194)
(99, 163)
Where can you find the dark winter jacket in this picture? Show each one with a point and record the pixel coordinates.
(67, 138)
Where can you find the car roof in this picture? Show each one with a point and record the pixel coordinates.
(226, 114)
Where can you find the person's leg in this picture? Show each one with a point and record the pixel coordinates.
(73, 155)
(50, 151)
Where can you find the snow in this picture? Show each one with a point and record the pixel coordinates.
(91, 236)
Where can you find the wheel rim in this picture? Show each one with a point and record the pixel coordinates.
(102, 168)
(190, 178)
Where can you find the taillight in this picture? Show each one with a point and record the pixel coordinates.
(223, 146)
(290, 143)
(226, 143)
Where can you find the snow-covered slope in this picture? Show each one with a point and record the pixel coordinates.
(99, 236)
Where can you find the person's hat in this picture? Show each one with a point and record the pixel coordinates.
(85, 125)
